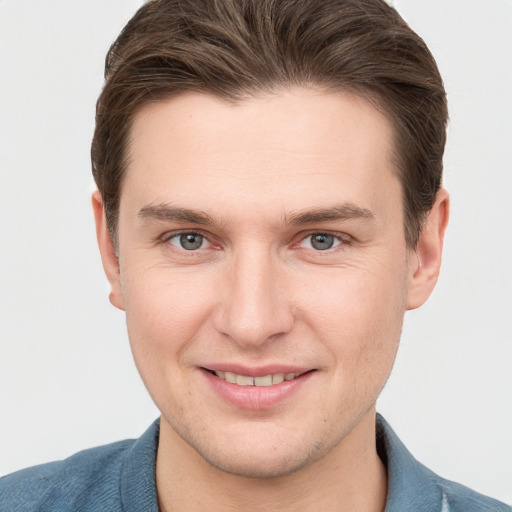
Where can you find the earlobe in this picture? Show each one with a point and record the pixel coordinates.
(107, 251)
(426, 264)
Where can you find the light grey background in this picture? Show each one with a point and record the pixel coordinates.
(67, 380)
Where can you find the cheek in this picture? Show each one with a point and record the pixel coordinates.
(164, 314)
(351, 300)
(358, 316)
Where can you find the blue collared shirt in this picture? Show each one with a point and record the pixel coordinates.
(120, 477)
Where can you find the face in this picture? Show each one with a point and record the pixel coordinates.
(264, 272)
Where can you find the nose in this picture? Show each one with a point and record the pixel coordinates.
(255, 307)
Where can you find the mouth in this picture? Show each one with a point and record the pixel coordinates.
(256, 389)
(262, 381)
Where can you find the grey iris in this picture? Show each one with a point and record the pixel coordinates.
(191, 241)
(322, 242)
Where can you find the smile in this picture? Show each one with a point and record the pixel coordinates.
(264, 389)
(245, 380)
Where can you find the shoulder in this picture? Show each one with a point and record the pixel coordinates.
(459, 498)
(87, 480)
(412, 486)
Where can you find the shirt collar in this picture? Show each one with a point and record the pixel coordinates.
(411, 486)
(138, 483)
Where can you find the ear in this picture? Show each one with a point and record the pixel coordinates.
(425, 265)
(107, 251)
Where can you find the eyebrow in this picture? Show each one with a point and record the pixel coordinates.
(345, 211)
(170, 213)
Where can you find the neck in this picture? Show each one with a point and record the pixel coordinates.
(350, 477)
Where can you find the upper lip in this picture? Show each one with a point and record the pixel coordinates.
(255, 371)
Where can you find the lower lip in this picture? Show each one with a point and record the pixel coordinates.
(256, 397)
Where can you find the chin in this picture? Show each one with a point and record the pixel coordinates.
(269, 453)
(262, 465)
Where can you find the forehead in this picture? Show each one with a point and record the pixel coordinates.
(294, 146)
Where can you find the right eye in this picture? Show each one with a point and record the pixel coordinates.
(188, 241)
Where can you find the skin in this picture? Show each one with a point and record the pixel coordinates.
(257, 292)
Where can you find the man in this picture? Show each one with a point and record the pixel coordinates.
(269, 205)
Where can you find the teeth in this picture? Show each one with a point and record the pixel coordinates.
(263, 381)
(229, 377)
(244, 380)
(278, 378)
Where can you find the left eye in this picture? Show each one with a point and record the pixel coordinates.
(320, 241)
(188, 241)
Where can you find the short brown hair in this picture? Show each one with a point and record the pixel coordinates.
(235, 48)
